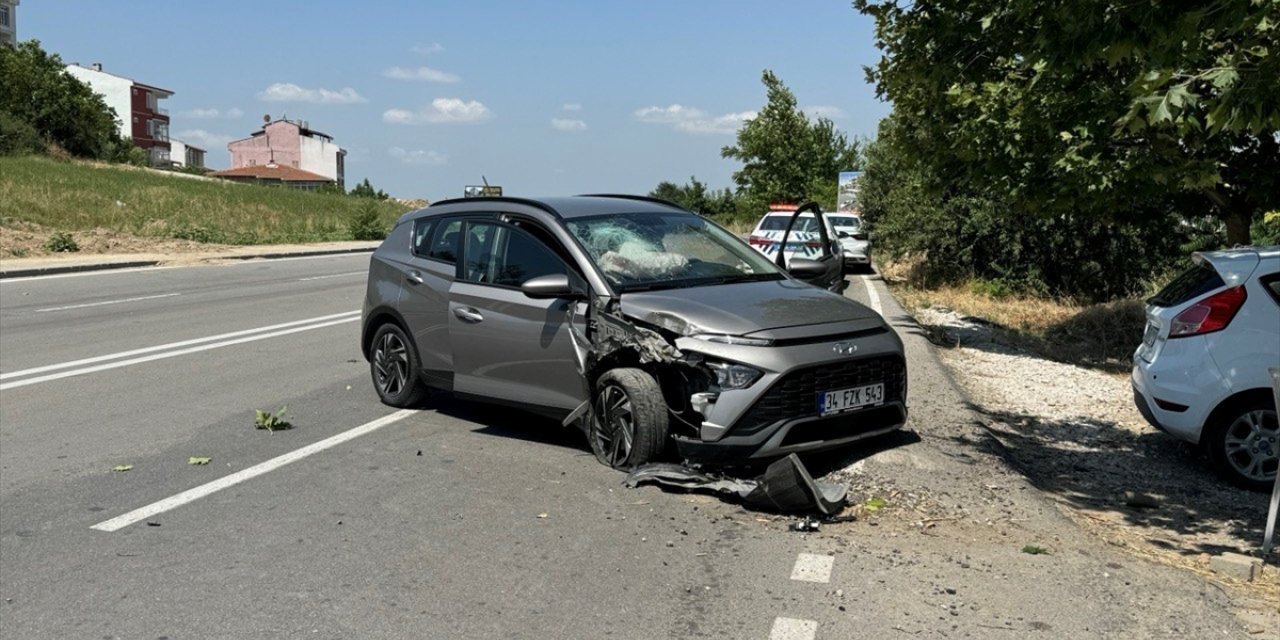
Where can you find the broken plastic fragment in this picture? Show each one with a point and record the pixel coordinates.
(785, 487)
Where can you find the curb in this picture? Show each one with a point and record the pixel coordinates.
(108, 266)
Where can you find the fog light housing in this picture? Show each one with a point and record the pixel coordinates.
(731, 375)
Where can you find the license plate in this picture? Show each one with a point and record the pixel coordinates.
(847, 399)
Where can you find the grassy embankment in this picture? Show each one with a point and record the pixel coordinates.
(47, 195)
(1101, 336)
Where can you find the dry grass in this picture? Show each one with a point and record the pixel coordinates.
(1100, 336)
(76, 196)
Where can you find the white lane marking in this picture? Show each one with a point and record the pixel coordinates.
(231, 262)
(334, 275)
(190, 495)
(77, 274)
(168, 354)
(873, 295)
(811, 567)
(793, 629)
(171, 345)
(103, 304)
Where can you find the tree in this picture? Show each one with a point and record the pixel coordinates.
(695, 197)
(38, 93)
(1112, 111)
(786, 156)
(365, 190)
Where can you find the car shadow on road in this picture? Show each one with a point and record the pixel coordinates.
(821, 463)
(507, 422)
(1177, 503)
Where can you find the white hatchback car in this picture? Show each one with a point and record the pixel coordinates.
(854, 243)
(1201, 371)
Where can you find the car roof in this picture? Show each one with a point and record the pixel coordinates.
(568, 207)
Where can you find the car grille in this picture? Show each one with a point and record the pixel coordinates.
(795, 395)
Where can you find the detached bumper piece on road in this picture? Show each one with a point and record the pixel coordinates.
(785, 487)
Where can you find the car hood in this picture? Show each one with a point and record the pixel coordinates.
(747, 307)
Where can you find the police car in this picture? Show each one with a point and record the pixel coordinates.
(807, 240)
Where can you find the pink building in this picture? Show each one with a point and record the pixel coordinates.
(290, 143)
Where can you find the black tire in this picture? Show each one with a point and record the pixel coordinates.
(627, 402)
(1244, 436)
(394, 367)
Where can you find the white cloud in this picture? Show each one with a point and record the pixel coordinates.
(427, 49)
(210, 114)
(204, 139)
(424, 74)
(825, 111)
(567, 124)
(572, 106)
(417, 156)
(441, 111)
(289, 92)
(691, 120)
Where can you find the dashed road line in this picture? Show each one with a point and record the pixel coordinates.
(334, 275)
(190, 495)
(813, 567)
(793, 629)
(107, 302)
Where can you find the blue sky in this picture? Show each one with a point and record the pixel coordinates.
(539, 97)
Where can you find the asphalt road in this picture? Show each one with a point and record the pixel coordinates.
(458, 520)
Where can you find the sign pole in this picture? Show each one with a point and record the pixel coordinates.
(1269, 538)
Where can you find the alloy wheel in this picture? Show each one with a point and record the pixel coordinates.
(1252, 445)
(616, 427)
(391, 363)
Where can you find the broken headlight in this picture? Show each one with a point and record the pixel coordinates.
(724, 339)
(733, 376)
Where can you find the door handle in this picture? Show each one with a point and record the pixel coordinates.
(414, 277)
(467, 314)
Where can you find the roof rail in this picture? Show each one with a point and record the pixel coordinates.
(625, 196)
(525, 201)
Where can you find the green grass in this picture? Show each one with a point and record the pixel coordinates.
(75, 196)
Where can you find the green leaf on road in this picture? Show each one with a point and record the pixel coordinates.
(1034, 550)
(122, 467)
(197, 460)
(875, 504)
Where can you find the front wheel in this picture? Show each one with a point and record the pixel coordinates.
(628, 423)
(1244, 445)
(393, 365)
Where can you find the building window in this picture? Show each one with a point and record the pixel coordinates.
(4, 16)
(151, 101)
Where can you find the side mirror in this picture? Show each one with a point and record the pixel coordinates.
(554, 285)
(806, 269)
(843, 234)
(860, 236)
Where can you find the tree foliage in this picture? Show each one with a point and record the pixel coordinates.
(1104, 110)
(365, 190)
(695, 197)
(786, 156)
(38, 95)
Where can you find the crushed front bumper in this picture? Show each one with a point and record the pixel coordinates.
(779, 413)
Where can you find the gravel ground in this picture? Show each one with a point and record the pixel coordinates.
(1076, 435)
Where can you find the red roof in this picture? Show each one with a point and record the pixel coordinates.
(272, 172)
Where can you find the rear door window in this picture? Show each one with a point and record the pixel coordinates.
(446, 241)
(1190, 284)
(1271, 282)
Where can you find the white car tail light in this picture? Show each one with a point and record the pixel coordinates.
(1208, 315)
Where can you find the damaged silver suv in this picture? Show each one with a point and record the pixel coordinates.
(639, 321)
